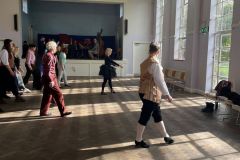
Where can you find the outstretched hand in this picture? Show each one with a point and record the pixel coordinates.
(51, 84)
(168, 97)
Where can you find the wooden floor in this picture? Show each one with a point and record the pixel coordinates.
(103, 127)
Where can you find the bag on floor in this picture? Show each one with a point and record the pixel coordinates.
(235, 98)
(209, 107)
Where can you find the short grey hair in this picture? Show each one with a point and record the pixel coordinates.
(51, 45)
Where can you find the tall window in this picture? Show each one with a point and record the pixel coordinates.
(180, 29)
(25, 6)
(159, 20)
(223, 27)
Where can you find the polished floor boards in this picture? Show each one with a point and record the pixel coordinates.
(102, 127)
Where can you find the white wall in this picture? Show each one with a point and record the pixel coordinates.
(139, 14)
(7, 10)
(140, 24)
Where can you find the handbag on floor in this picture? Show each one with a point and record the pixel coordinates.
(209, 107)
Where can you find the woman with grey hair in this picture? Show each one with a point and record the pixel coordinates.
(107, 71)
(50, 83)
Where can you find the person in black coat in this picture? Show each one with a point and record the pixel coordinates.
(107, 71)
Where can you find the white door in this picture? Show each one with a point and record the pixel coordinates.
(140, 53)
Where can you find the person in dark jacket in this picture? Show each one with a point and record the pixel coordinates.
(108, 71)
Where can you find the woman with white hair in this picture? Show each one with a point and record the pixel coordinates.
(49, 79)
(108, 71)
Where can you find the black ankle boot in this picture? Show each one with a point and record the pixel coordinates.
(141, 144)
(168, 140)
(102, 93)
(209, 107)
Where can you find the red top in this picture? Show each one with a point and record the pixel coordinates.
(49, 61)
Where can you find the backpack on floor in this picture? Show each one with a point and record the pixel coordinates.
(235, 98)
(209, 107)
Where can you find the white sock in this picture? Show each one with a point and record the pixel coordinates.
(140, 130)
(162, 129)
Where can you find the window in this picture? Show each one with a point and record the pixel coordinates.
(222, 37)
(25, 6)
(159, 20)
(159, 24)
(180, 29)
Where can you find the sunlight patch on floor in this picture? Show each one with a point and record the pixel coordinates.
(189, 146)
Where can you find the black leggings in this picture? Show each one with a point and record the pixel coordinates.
(149, 109)
(28, 74)
(109, 83)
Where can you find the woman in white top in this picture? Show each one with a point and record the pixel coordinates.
(18, 70)
(9, 82)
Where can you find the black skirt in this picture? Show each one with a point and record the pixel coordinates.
(107, 71)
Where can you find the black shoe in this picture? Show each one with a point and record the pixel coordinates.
(45, 114)
(113, 91)
(102, 93)
(67, 85)
(141, 144)
(65, 114)
(168, 140)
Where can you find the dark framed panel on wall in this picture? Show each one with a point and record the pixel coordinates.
(15, 20)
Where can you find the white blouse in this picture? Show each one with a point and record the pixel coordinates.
(156, 70)
(4, 57)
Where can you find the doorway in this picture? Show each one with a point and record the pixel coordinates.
(140, 53)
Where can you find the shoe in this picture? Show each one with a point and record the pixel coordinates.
(67, 85)
(141, 144)
(102, 93)
(19, 99)
(168, 140)
(65, 114)
(6, 96)
(45, 114)
(26, 90)
(113, 91)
